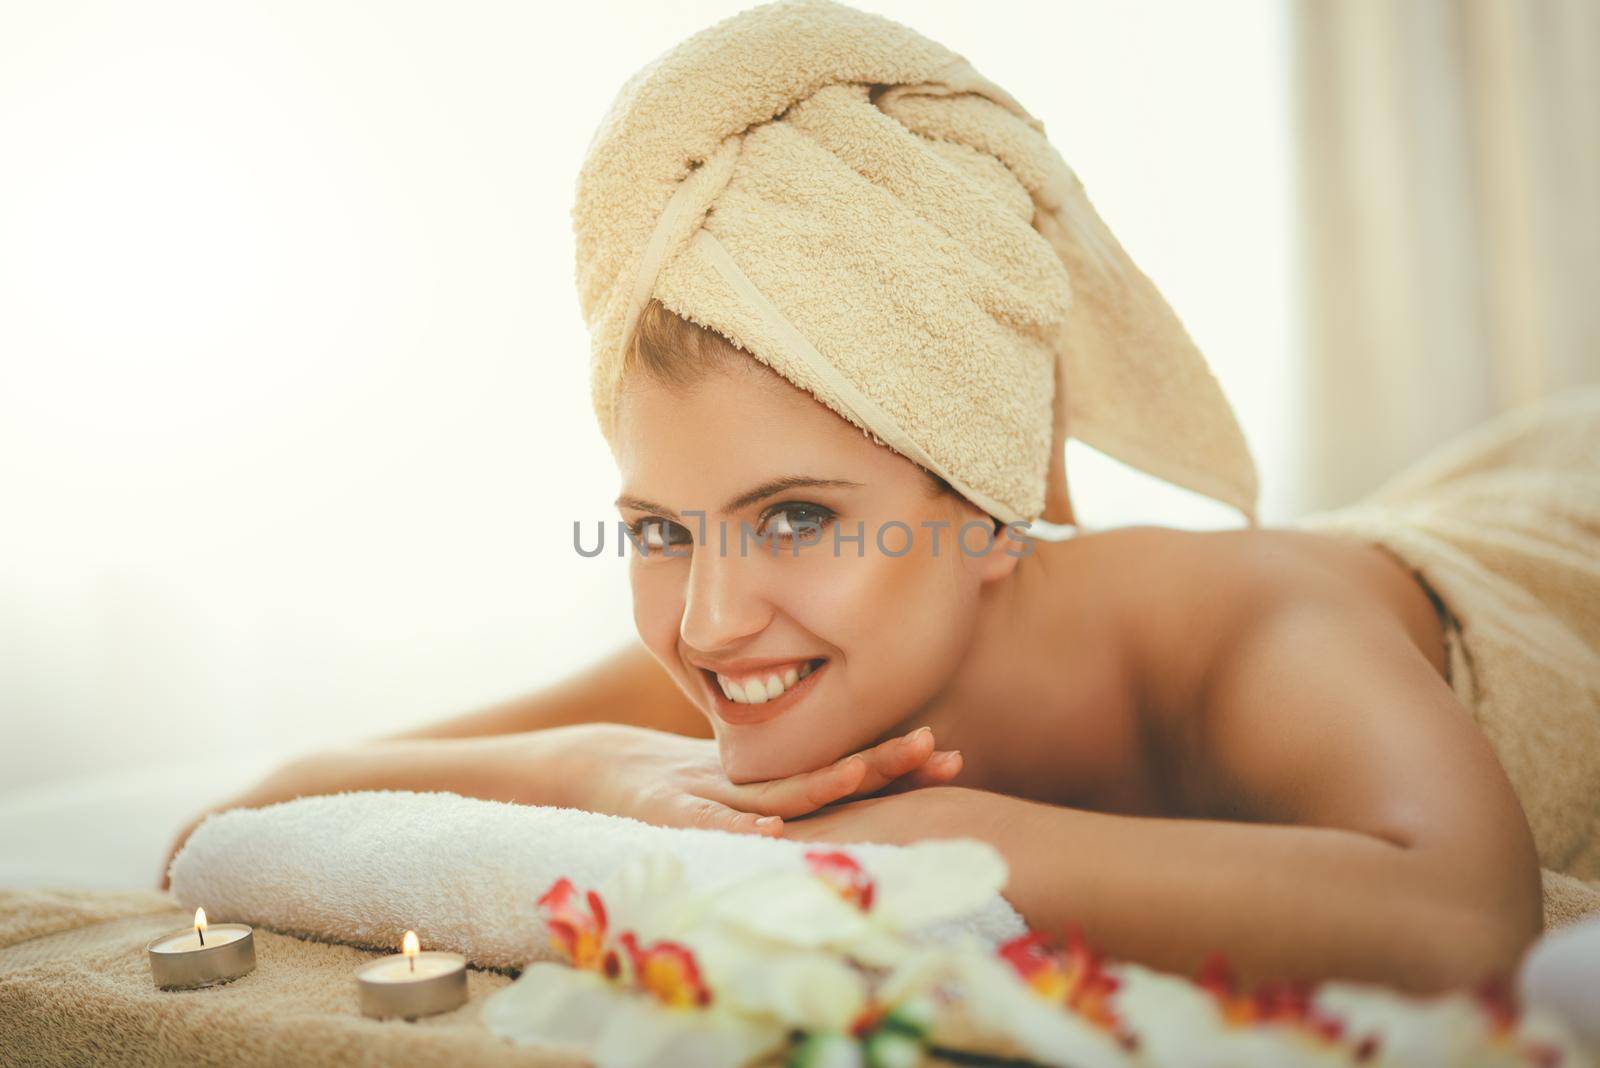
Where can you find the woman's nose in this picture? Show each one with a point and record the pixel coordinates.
(722, 604)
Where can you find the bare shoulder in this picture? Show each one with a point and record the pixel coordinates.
(1188, 594)
(1291, 678)
(1163, 612)
(1181, 604)
(1316, 695)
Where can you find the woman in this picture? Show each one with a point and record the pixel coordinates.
(1246, 729)
(1183, 741)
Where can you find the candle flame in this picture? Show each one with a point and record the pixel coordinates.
(200, 920)
(410, 946)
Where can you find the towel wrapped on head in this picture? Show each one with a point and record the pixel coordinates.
(859, 209)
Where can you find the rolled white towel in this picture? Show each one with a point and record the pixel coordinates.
(465, 874)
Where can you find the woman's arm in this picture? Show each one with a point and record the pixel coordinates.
(508, 752)
(1279, 902)
(600, 741)
(1376, 837)
(471, 755)
(627, 686)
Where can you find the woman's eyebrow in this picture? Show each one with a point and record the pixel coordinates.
(743, 500)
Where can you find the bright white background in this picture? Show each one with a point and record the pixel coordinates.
(294, 418)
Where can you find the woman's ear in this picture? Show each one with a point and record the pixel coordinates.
(1002, 557)
(996, 559)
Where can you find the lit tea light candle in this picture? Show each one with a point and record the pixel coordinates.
(201, 955)
(412, 983)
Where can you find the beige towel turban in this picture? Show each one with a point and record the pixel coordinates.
(859, 209)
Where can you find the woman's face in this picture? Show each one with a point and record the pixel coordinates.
(881, 627)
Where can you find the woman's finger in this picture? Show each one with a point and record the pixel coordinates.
(796, 795)
(856, 775)
(939, 769)
(709, 815)
(890, 760)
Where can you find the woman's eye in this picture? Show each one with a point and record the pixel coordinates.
(656, 534)
(796, 520)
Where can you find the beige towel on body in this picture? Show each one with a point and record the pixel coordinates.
(862, 211)
(1503, 525)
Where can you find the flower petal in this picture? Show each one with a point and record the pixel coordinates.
(644, 1034)
(936, 879)
(651, 897)
(807, 989)
(788, 906)
(998, 1003)
(552, 1004)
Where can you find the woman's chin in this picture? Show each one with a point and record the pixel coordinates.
(746, 760)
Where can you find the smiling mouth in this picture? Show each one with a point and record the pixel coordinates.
(743, 714)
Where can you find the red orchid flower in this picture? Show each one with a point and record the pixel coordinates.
(842, 872)
(1280, 1001)
(580, 934)
(1073, 977)
(668, 971)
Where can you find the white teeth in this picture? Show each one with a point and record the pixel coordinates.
(759, 691)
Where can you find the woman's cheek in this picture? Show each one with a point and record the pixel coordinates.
(657, 609)
(819, 603)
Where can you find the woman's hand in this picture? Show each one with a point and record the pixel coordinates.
(675, 781)
(935, 812)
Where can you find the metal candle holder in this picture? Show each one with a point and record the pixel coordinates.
(191, 968)
(408, 997)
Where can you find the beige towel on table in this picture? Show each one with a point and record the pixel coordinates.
(1503, 525)
(75, 990)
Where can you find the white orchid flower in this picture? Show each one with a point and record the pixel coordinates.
(613, 1026)
(650, 979)
(1209, 1022)
(1467, 1027)
(866, 912)
(1049, 1007)
(1180, 1021)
